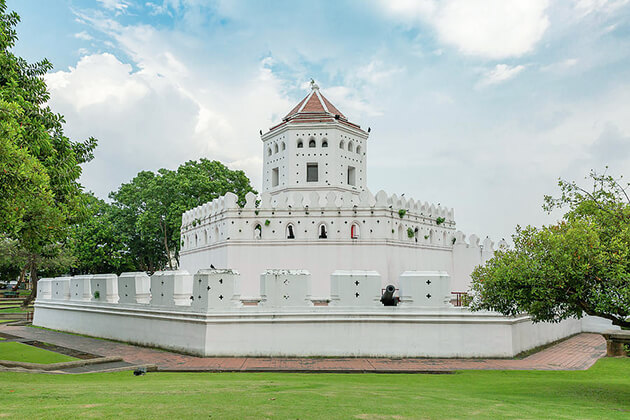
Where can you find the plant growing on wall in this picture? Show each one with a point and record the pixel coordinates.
(410, 233)
(402, 213)
(426, 236)
(97, 294)
(440, 220)
(267, 222)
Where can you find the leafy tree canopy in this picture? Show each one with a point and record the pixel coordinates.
(580, 265)
(149, 208)
(40, 196)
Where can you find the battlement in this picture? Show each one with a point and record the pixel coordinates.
(316, 216)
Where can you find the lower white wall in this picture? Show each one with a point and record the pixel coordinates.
(324, 331)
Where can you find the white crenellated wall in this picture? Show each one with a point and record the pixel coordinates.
(286, 323)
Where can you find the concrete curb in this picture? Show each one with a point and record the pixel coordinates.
(62, 365)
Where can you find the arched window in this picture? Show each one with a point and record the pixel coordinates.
(290, 231)
(205, 236)
(324, 143)
(196, 242)
(415, 234)
(323, 232)
(359, 149)
(354, 231)
(350, 146)
(401, 232)
(341, 144)
(258, 231)
(275, 148)
(284, 146)
(312, 143)
(269, 152)
(300, 144)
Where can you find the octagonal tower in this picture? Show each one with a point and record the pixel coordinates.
(315, 147)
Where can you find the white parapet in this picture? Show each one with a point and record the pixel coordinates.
(355, 288)
(215, 289)
(80, 288)
(44, 289)
(134, 287)
(430, 289)
(171, 288)
(104, 288)
(285, 289)
(60, 289)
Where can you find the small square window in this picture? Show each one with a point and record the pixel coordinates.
(312, 173)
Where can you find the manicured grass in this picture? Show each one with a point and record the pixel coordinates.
(4, 321)
(15, 310)
(601, 392)
(19, 352)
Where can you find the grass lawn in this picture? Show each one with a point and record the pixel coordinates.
(601, 392)
(19, 352)
(15, 310)
(4, 321)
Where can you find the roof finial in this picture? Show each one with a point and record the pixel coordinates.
(314, 85)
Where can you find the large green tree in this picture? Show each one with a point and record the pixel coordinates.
(40, 196)
(579, 265)
(149, 208)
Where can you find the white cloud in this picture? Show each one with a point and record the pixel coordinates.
(119, 6)
(487, 28)
(499, 74)
(561, 66)
(586, 7)
(83, 35)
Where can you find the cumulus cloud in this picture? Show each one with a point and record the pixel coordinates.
(499, 74)
(486, 28)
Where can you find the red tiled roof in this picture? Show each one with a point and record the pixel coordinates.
(315, 108)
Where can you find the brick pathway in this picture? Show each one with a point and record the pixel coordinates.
(576, 353)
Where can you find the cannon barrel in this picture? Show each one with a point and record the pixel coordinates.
(388, 299)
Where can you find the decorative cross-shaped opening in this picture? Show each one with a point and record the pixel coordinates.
(192, 298)
(356, 294)
(286, 296)
(428, 295)
(356, 283)
(220, 281)
(286, 281)
(199, 297)
(221, 297)
(209, 288)
(428, 281)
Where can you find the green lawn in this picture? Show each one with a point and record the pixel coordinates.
(14, 310)
(19, 352)
(601, 392)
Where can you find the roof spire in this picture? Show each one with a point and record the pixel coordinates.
(314, 85)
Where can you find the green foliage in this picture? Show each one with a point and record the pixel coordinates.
(440, 220)
(148, 210)
(402, 213)
(97, 242)
(410, 233)
(267, 222)
(580, 265)
(426, 237)
(40, 196)
(97, 294)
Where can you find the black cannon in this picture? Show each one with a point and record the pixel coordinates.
(388, 298)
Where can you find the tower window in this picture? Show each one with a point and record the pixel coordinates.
(354, 231)
(341, 144)
(275, 148)
(312, 143)
(324, 143)
(312, 173)
(290, 234)
(284, 146)
(322, 232)
(352, 175)
(300, 144)
(359, 149)
(275, 176)
(350, 147)
(269, 152)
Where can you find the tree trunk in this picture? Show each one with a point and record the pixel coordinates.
(168, 252)
(30, 298)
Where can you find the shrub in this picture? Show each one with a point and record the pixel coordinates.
(267, 222)
(402, 213)
(410, 233)
(440, 220)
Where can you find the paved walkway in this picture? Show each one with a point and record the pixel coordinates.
(576, 353)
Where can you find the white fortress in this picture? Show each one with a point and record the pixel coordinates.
(316, 213)
(301, 269)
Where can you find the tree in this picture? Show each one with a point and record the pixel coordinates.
(39, 166)
(150, 207)
(579, 265)
(97, 244)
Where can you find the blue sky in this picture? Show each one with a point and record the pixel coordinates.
(478, 105)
